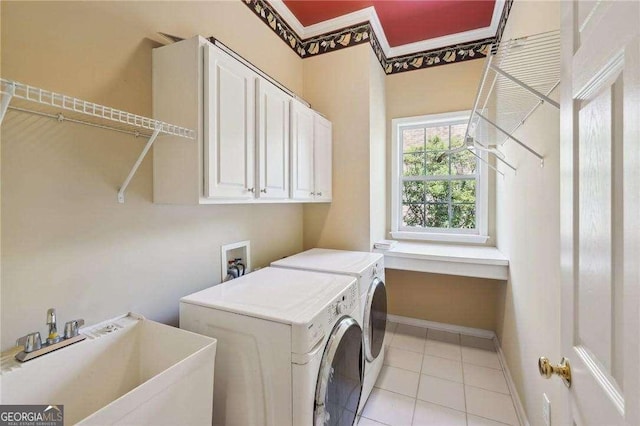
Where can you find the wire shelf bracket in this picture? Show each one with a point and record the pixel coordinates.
(65, 108)
(519, 76)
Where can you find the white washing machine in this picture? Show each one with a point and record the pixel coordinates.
(368, 268)
(289, 347)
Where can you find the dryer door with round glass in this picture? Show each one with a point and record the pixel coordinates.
(340, 378)
(375, 319)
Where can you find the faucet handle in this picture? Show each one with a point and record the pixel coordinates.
(31, 342)
(71, 328)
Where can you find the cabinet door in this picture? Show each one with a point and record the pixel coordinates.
(322, 158)
(273, 141)
(229, 129)
(301, 152)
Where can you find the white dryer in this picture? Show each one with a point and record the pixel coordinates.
(289, 347)
(368, 268)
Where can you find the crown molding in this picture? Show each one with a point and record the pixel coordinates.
(370, 15)
(363, 26)
(289, 17)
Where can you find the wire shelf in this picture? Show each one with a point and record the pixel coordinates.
(519, 76)
(44, 102)
(24, 98)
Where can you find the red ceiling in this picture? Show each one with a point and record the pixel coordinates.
(404, 21)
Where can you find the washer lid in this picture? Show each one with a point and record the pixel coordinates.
(324, 260)
(282, 295)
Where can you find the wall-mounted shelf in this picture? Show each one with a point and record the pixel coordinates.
(24, 98)
(448, 259)
(519, 76)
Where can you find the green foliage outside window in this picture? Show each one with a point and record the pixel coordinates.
(447, 198)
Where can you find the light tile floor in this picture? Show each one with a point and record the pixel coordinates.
(435, 378)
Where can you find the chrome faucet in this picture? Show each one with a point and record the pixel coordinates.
(32, 343)
(53, 327)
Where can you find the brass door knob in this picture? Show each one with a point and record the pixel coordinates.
(563, 369)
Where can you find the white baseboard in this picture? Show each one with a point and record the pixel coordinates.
(517, 402)
(476, 332)
(468, 331)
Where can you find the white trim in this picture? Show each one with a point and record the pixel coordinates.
(395, 173)
(451, 328)
(482, 196)
(447, 237)
(376, 26)
(288, 17)
(515, 397)
(444, 41)
(462, 116)
(440, 42)
(369, 14)
(340, 22)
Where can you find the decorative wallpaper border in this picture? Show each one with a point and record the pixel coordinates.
(431, 58)
(269, 16)
(362, 33)
(503, 20)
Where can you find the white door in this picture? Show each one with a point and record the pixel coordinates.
(600, 200)
(273, 141)
(322, 158)
(301, 152)
(229, 133)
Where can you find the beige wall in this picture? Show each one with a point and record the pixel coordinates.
(433, 90)
(528, 218)
(450, 299)
(469, 302)
(338, 85)
(66, 242)
(447, 88)
(378, 152)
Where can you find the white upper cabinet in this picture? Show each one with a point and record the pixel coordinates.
(229, 131)
(301, 152)
(322, 157)
(273, 141)
(254, 143)
(310, 154)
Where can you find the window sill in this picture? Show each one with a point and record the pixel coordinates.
(449, 259)
(443, 237)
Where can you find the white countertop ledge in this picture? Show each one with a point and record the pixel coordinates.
(449, 259)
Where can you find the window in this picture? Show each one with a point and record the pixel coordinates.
(438, 190)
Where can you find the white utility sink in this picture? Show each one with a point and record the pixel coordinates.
(129, 370)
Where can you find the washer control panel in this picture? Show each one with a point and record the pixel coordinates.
(343, 305)
(377, 270)
(306, 336)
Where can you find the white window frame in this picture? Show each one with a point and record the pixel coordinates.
(479, 235)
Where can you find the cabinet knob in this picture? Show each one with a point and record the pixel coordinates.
(319, 194)
(313, 193)
(251, 189)
(264, 191)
